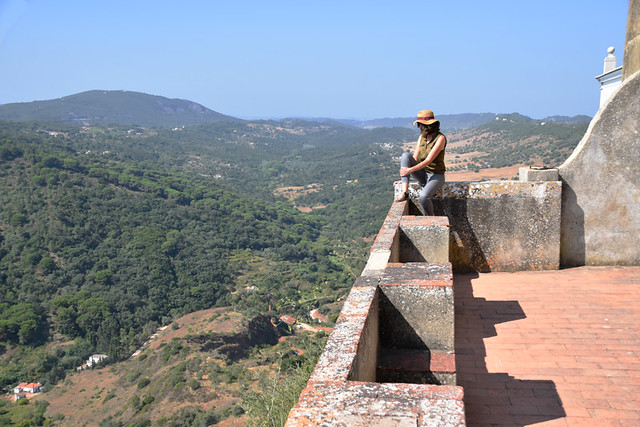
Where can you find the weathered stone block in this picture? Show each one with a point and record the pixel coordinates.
(352, 346)
(417, 274)
(423, 239)
(415, 300)
(377, 262)
(532, 173)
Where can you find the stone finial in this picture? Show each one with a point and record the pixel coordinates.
(610, 60)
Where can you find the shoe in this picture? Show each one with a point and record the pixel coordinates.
(402, 197)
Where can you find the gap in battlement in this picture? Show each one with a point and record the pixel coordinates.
(412, 349)
(408, 251)
(412, 209)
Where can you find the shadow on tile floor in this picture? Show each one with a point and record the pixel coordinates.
(495, 398)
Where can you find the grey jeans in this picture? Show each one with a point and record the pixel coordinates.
(430, 182)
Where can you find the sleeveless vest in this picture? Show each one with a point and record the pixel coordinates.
(437, 165)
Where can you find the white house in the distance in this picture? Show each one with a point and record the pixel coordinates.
(95, 359)
(91, 361)
(610, 79)
(21, 390)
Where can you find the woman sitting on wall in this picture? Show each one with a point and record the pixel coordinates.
(426, 165)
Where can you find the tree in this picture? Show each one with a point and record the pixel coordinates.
(22, 322)
(260, 330)
(46, 265)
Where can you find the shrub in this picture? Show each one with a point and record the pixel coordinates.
(277, 394)
(237, 411)
(132, 376)
(109, 396)
(175, 380)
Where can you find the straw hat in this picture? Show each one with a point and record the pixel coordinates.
(425, 117)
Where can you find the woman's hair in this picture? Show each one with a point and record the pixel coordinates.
(432, 128)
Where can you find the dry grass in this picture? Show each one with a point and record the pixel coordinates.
(81, 397)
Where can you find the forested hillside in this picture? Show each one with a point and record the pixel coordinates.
(107, 232)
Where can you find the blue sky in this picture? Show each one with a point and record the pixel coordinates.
(341, 59)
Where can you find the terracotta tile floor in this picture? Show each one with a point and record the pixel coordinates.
(554, 347)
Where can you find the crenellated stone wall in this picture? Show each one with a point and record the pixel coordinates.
(390, 359)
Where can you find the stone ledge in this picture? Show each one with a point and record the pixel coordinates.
(390, 404)
(417, 317)
(498, 189)
(424, 221)
(366, 281)
(340, 354)
(359, 301)
(416, 274)
(423, 239)
(419, 284)
(386, 235)
(376, 263)
(344, 388)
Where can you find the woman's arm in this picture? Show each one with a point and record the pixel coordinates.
(437, 148)
(416, 150)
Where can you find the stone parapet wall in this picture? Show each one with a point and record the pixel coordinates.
(360, 404)
(401, 239)
(500, 225)
(390, 359)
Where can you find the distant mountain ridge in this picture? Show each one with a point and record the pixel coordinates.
(136, 108)
(450, 122)
(114, 107)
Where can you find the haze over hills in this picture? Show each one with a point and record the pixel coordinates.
(135, 108)
(452, 122)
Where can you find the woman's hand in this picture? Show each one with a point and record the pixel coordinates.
(404, 171)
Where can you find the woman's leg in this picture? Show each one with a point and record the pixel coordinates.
(434, 182)
(407, 161)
